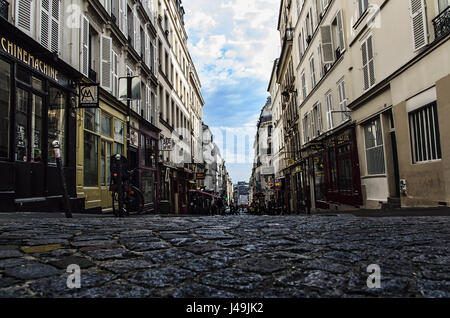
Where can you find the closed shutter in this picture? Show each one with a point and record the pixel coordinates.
(84, 37)
(147, 103)
(105, 65)
(340, 30)
(45, 22)
(327, 45)
(319, 118)
(25, 15)
(115, 74)
(368, 63)
(55, 26)
(419, 23)
(155, 60)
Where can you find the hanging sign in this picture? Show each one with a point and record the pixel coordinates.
(88, 96)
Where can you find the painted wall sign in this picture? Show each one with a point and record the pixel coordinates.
(19, 53)
(88, 97)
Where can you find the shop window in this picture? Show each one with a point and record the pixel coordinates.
(37, 83)
(106, 125)
(118, 137)
(333, 170)
(345, 169)
(56, 123)
(90, 160)
(5, 108)
(105, 155)
(36, 129)
(319, 179)
(424, 133)
(21, 125)
(23, 75)
(374, 147)
(148, 186)
(92, 119)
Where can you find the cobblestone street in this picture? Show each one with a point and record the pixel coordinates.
(243, 256)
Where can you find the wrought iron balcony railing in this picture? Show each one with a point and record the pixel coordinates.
(4, 8)
(442, 24)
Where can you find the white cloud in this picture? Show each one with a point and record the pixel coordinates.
(231, 40)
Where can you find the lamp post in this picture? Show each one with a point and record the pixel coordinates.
(57, 152)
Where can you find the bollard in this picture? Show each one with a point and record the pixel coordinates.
(57, 152)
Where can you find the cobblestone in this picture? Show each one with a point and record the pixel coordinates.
(243, 256)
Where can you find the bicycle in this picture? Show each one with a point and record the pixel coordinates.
(128, 197)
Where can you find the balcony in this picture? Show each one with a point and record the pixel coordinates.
(4, 6)
(442, 24)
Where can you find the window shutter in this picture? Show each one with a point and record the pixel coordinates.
(45, 21)
(419, 23)
(105, 65)
(115, 74)
(84, 37)
(319, 118)
(137, 33)
(327, 45)
(365, 65)
(24, 15)
(147, 103)
(55, 26)
(371, 65)
(155, 61)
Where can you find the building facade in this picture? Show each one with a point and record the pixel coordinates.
(371, 102)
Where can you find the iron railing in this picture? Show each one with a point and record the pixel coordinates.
(4, 8)
(442, 24)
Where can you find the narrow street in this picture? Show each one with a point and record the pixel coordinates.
(224, 256)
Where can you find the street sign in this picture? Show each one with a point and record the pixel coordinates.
(88, 97)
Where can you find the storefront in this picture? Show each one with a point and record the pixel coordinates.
(37, 106)
(148, 172)
(102, 133)
(332, 171)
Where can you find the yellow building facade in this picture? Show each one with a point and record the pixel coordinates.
(101, 133)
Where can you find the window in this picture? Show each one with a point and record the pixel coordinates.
(363, 5)
(5, 108)
(368, 64)
(90, 159)
(106, 125)
(56, 122)
(317, 118)
(329, 100)
(21, 125)
(343, 100)
(313, 72)
(338, 33)
(424, 134)
(374, 147)
(92, 119)
(304, 85)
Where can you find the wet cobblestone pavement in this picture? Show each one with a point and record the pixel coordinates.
(233, 257)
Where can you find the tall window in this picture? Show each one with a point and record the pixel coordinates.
(374, 147)
(343, 100)
(424, 134)
(329, 100)
(368, 64)
(313, 72)
(56, 123)
(304, 85)
(5, 108)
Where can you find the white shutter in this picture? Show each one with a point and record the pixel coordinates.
(105, 65)
(84, 39)
(55, 26)
(155, 60)
(108, 6)
(25, 15)
(147, 103)
(115, 74)
(327, 45)
(137, 34)
(45, 22)
(419, 23)
(319, 118)
(340, 29)
(147, 50)
(368, 63)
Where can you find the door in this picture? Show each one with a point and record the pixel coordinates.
(29, 152)
(396, 168)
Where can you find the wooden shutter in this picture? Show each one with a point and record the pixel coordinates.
(25, 15)
(115, 74)
(327, 44)
(105, 65)
(123, 17)
(84, 39)
(419, 23)
(55, 26)
(45, 23)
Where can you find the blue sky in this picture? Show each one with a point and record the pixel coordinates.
(233, 44)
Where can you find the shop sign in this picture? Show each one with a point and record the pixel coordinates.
(299, 169)
(200, 176)
(167, 144)
(19, 53)
(317, 146)
(344, 138)
(88, 96)
(290, 162)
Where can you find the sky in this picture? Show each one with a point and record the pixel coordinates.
(233, 44)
